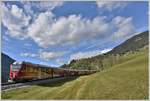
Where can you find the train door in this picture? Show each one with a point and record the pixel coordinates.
(39, 73)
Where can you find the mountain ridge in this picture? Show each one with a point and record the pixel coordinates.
(131, 44)
(105, 60)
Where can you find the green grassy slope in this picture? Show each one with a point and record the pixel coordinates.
(127, 80)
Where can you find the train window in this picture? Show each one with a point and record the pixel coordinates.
(16, 67)
(42, 69)
(39, 69)
(45, 69)
(34, 69)
(23, 69)
(27, 69)
(31, 69)
(49, 70)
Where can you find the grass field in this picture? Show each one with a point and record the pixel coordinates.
(128, 80)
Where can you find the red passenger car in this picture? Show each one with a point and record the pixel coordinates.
(25, 71)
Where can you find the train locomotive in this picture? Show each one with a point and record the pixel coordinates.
(26, 71)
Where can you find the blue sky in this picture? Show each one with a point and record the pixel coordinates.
(54, 33)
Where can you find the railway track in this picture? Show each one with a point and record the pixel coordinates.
(10, 86)
(8, 83)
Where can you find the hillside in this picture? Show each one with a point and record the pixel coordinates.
(133, 44)
(125, 81)
(109, 59)
(5, 64)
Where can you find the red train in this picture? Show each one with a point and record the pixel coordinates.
(25, 71)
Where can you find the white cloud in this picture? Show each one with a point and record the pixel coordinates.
(88, 54)
(73, 29)
(47, 5)
(106, 50)
(42, 5)
(15, 20)
(44, 63)
(111, 5)
(32, 7)
(27, 44)
(46, 30)
(50, 55)
(61, 61)
(44, 55)
(28, 55)
(39, 30)
(125, 27)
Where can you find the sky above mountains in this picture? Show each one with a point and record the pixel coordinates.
(54, 33)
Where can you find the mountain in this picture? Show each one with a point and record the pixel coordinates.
(5, 65)
(107, 60)
(132, 44)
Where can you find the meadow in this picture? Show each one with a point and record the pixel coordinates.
(126, 80)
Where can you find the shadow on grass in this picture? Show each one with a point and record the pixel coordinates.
(58, 82)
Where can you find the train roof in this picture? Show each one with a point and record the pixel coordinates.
(24, 62)
(45, 66)
(17, 62)
(40, 65)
